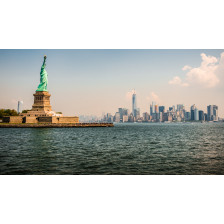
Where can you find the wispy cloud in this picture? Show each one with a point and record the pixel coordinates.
(207, 74)
(153, 97)
(177, 81)
(186, 67)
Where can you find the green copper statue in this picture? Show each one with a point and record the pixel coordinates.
(43, 77)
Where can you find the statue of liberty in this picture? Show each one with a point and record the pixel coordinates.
(43, 77)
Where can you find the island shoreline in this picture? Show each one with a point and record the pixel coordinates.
(78, 125)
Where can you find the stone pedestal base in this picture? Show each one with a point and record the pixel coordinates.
(41, 106)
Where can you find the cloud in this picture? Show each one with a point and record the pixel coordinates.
(177, 81)
(186, 67)
(154, 97)
(208, 74)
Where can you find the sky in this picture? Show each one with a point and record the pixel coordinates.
(93, 82)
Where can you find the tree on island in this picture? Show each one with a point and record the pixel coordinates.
(25, 111)
(7, 112)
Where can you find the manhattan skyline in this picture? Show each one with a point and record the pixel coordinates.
(100, 81)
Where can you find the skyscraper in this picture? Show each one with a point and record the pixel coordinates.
(196, 115)
(215, 113)
(212, 113)
(161, 109)
(156, 109)
(117, 117)
(20, 107)
(180, 107)
(134, 103)
(193, 107)
(201, 115)
(152, 108)
(123, 112)
(137, 114)
(187, 116)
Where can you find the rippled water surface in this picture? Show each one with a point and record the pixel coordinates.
(182, 148)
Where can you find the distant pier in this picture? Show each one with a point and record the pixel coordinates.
(50, 125)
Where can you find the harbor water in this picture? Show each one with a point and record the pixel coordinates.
(152, 149)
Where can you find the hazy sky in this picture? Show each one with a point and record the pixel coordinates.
(92, 82)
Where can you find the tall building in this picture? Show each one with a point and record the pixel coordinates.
(156, 109)
(196, 115)
(187, 116)
(123, 112)
(137, 114)
(161, 109)
(152, 108)
(125, 118)
(206, 117)
(109, 117)
(146, 116)
(215, 113)
(193, 107)
(212, 113)
(180, 107)
(134, 102)
(172, 108)
(20, 107)
(201, 115)
(117, 117)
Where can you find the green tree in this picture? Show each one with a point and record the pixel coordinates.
(25, 111)
(7, 112)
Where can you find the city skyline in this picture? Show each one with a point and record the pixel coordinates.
(99, 81)
(159, 113)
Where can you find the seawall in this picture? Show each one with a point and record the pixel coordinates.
(45, 125)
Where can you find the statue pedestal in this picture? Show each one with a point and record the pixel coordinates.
(41, 106)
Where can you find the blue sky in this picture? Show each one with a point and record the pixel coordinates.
(99, 81)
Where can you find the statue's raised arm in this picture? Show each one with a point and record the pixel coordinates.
(43, 77)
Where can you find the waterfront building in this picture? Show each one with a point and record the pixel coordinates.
(125, 118)
(152, 108)
(205, 117)
(131, 118)
(180, 107)
(201, 115)
(160, 116)
(167, 117)
(187, 116)
(196, 115)
(137, 114)
(109, 118)
(156, 109)
(161, 109)
(193, 107)
(215, 113)
(117, 117)
(120, 110)
(212, 113)
(134, 103)
(20, 107)
(146, 116)
(172, 108)
(123, 112)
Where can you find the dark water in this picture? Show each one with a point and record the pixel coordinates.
(184, 148)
